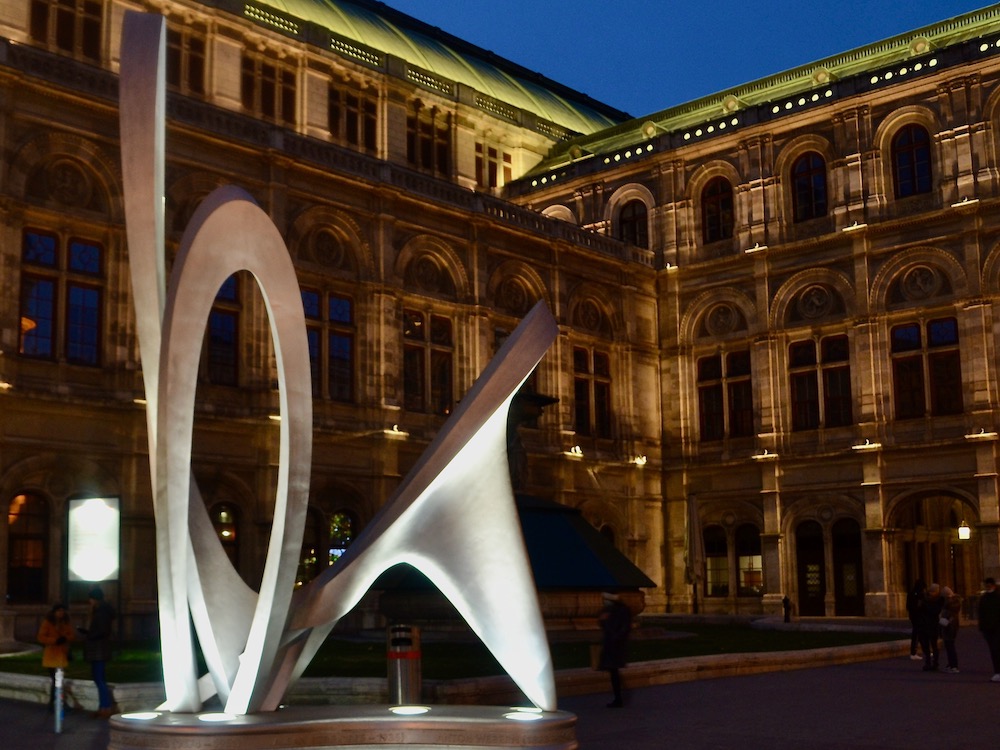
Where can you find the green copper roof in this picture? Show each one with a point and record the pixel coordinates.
(381, 28)
(779, 94)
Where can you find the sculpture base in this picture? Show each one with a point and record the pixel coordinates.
(348, 727)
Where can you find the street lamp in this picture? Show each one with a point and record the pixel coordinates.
(964, 532)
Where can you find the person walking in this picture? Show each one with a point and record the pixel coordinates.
(949, 621)
(56, 636)
(988, 613)
(930, 627)
(616, 622)
(914, 598)
(97, 649)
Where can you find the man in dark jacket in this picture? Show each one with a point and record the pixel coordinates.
(929, 629)
(989, 623)
(616, 622)
(97, 649)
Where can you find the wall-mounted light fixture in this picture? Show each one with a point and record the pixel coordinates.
(639, 460)
(766, 455)
(868, 445)
(755, 249)
(965, 202)
(854, 227)
(5, 386)
(575, 452)
(394, 433)
(981, 435)
(964, 532)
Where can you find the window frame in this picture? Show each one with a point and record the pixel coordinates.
(810, 197)
(914, 156)
(428, 361)
(718, 210)
(592, 392)
(725, 395)
(926, 372)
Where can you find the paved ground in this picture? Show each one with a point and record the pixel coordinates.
(883, 704)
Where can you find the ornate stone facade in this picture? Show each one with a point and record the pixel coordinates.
(780, 380)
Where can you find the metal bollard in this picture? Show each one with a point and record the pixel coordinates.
(403, 659)
(57, 701)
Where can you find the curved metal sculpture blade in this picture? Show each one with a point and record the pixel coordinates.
(453, 517)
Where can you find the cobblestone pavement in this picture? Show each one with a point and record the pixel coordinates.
(885, 704)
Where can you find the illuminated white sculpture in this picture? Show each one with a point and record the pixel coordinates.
(453, 516)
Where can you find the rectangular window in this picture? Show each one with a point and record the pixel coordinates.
(38, 310)
(83, 324)
(66, 282)
(268, 89)
(716, 576)
(223, 326)
(926, 369)
(69, 26)
(725, 396)
(428, 363)
(493, 167)
(592, 392)
(332, 327)
(186, 62)
(428, 141)
(820, 390)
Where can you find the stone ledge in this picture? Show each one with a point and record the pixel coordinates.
(499, 690)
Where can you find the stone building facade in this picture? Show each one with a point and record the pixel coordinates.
(777, 367)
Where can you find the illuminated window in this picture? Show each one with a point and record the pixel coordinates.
(911, 161)
(717, 217)
(633, 224)
(716, 561)
(591, 392)
(330, 333)
(820, 389)
(70, 26)
(926, 369)
(27, 549)
(428, 140)
(222, 358)
(494, 168)
(809, 187)
(61, 305)
(428, 353)
(185, 69)
(749, 561)
(352, 119)
(268, 89)
(725, 396)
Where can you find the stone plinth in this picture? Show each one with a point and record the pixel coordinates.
(354, 727)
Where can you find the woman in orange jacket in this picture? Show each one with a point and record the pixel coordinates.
(56, 635)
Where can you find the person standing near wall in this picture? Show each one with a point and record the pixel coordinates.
(97, 649)
(949, 621)
(989, 623)
(616, 622)
(56, 635)
(930, 627)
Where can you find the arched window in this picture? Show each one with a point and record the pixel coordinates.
(911, 161)
(225, 521)
(809, 187)
(717, 210)
(716, 562)
(342, 532)
(749, 562)
(633, 224)
(27, 549)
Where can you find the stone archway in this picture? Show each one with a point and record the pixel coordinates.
(926, 542)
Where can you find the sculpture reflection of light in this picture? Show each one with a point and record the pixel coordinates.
(522, 716)
(409, 710)
(216, 718)
(141, 715)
